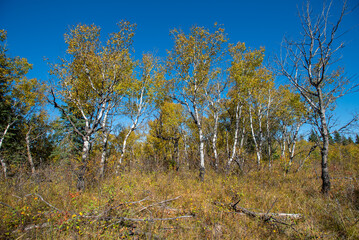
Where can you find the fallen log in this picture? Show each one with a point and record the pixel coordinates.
(266, 215)
(245, 211)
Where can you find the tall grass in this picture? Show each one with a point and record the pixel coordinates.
(48, 206)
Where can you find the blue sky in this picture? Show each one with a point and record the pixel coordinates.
(36, 28)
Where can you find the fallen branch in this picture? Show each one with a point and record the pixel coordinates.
(33, 226)
(159, 203)
(267, 217)
(130, 203)
(42, 199)
(6, 205)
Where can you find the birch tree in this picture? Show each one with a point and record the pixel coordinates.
(141, 95)
(259, 102)
(191, 64)
(38, 143)
(311, 65)
(291, 114)
(20, 97)
(235, 130)
(250, 85)
(91, 79)
(215, 97)
(237, 94)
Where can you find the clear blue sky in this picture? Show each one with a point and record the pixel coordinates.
(36, 28)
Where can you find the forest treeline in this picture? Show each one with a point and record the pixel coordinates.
(209, 104)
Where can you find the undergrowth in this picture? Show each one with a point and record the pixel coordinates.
(176, 205)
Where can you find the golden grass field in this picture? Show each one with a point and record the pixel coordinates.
(176, 205)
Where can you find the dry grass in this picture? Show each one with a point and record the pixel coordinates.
(100, 211)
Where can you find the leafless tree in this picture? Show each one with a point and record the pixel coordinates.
(311, 65)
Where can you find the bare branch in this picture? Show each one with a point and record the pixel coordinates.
(56, 105)
(159, 203)
(42, 199)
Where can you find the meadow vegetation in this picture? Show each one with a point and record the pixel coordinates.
(170, 204)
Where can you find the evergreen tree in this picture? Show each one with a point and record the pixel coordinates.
(344, 141)
(68, 142)
(331, 140)
(338, 138)
(19, 100)
(313, 137)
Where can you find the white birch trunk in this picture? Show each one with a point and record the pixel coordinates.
(3, 163)
(124, 145)
(104, 144)
(202, 168)
(235, 142)
(254, 138)
(4, 134)
(214, 140)
(103, 154)
(291, 149)
(85, 155)
(29, 156)
(4, 167)
(283, 143)
(260, 138)
(241, 145)
(201, 151)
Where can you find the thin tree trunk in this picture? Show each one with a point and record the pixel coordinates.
(85, 155)
(185, 150)
(29, 156)
(283, 142)
(124, 145)
(4, 133)
(104, 144)
(324, 152)
(306, 158)
(4, 167)
(201, 151)
(103, 154)
(235, 142)
(133, 127)
(291, 156)
(3, 163)
(241, 163)
(254, 138)
(291, 149)
(214, 141)
(269, 154)
(176, 153)
(260, 138)
(197, 120)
